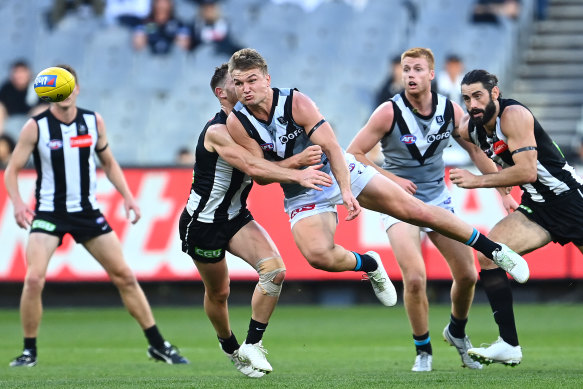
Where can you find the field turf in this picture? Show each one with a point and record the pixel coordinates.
(309, 347)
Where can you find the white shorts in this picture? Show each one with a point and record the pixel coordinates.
(443, 201)
(314, 201)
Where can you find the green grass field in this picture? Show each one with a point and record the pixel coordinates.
(309, 347)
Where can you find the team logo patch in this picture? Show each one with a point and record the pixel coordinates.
(500, 147)
(55, 144)
(81, 141)
(351, 167)
(82, 129)
(301, 209)
(45, 80)
(282, 120)
(408, 139)
(43, 225)
(439, 119)
(267, 147)
(448, 201)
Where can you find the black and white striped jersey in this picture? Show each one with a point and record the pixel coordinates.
(555, 175)
(64, 159)
(219, 191)
(280, 136)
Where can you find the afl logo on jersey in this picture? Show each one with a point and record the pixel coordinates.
(351, 167)
(55, 144)
(408, 139)
(267, 147)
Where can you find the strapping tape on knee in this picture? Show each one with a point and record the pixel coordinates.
(268, 269)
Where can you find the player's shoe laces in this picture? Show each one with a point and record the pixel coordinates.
(423, 362)
(24, 359)
(244, 367)
(462, 346)
(254, 354)
(512, 263)
(497, 352)
(381, 283)
(168, 354)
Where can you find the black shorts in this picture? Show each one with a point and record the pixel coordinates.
(207, 242)
(562, 218)
(81, 225)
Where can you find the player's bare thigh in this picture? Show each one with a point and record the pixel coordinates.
(39, 250)
(315, 234)
(252, 243)
(107, 250)
(385, 196)
(519, 233)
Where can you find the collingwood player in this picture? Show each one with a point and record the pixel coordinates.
(216, 220)
(64, 141)
(414, 128)
(551, 207)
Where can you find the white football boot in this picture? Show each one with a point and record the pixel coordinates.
(254, 354)
(423, 362)
(497, 352)
(381, 283)
(512, 263)
(462, 346)
(243, 367)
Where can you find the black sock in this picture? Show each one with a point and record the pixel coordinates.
(230, 344)
(30, 345)
(423, 343)
(154, 337)
(497, 288)
(482, 244)
(365, 262)
(457, 327)
(255, 332)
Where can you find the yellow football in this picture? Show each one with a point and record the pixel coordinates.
(54, 84)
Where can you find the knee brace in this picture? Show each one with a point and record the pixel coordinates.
(268, 269)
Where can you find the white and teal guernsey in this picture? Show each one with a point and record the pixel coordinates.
(64, 158)
(555, 177)
(219, 191)
(280, 136)
(414, 145)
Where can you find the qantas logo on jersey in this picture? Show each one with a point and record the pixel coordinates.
(45, 80)
(500, 147)
(55, 144)
(267, 147)
(301, 209)
(408, 139)
(81, 141)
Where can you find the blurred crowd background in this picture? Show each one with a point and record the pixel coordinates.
(145, 65)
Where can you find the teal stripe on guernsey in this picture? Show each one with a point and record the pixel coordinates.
(422, 342)
(472, 238)
(358, 261)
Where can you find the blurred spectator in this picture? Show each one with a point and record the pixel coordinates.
(393, 83)
(83, 8)
(129, 13)
(161, 30)
(7, 145)
(490, 11)
(185, 157)
(210, 27)
(449, 79)
(16, 94)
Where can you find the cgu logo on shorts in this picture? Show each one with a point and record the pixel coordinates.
(55, 144)
(218, 253)
(45, 80)
(81, 141)
(43, 225)
(500, 147)
(301, 209)
(267, 147)
(408, 139)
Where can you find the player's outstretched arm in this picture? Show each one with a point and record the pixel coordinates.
(113, 171)
(306, 114)
(377, 126)
(24, 148)
(218, 139)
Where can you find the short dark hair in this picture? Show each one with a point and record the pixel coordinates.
(70, 69)
(219, 75)
(19, 63)
(9, 141)
(488, 80)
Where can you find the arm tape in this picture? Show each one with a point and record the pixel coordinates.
(316, 127)
(520, 150)
(102, 149)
